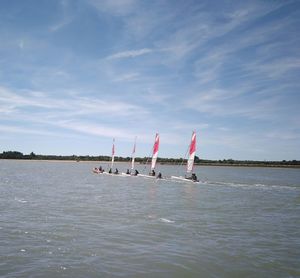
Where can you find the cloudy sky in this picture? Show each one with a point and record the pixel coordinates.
(76, 73)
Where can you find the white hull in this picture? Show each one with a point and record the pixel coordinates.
(112, 174)
(181, 178)
(142, 176)
(146, 176)
(96, 171)
(127, 175)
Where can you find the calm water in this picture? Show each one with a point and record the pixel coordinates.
(59, 220)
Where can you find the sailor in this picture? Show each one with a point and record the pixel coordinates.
(159, 176)
(127, 172)
(100, 169)
(136, 172)
(152, 173)
(194, 177)
(110, 171)
(117, 171)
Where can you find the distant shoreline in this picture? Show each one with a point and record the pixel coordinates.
(260, 165)
(143, 160)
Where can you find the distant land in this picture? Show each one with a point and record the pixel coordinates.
(144, 160)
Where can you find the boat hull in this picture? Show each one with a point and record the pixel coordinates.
(146, 176)
(96, 171)
(181, 178)
(128, 175)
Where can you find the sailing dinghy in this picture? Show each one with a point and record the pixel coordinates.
(154, 158)
(96, 170)
(100, 170)
(190, 177)
(132, 172)
(110, 172)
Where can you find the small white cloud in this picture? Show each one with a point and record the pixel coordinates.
(189, 126)
(57, 26)
(130, 53)
(127, 77)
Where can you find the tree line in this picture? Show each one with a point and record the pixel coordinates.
(33, 156)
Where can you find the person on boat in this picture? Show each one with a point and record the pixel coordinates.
(159, 176)
(128, 172)
(100, 169)
(117, 171)
(136, 172)
(152, 173)
(194, 177)
(110, 171)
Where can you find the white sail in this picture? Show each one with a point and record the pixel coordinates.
(113, 154)
(192, 152)
(133, 155)
(155, 151)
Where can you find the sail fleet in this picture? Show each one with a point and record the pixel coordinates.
(190, 175)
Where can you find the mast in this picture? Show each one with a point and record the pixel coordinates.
(155, 151)
(192, 152)
(133, 155)
(112, 154)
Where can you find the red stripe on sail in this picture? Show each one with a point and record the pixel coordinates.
(193, 144)
(156, 144)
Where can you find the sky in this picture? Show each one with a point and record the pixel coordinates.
(74, 74)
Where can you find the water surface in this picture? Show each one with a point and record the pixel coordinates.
(57, 219)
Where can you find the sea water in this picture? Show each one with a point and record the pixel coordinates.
(58, 219)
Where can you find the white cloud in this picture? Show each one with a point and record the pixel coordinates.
(200, 29)
(178, 125)
(76, 105)
(35, 131)
(59, 25)
(96, 129)
(127, 77)
(275, 68)
(76, 113)
(15, 100)
(130, 54)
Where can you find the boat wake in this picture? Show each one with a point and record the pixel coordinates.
(249, 185)
(165, 220)
(21, 200)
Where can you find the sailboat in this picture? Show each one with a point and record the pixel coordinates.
(112, 154)
(131, 172)
(190, 177)
(97, 170)
(113, 160)
(100, 170)
(154, 158)
(133, 156)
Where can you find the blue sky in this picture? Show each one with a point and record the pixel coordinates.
(75, 74)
